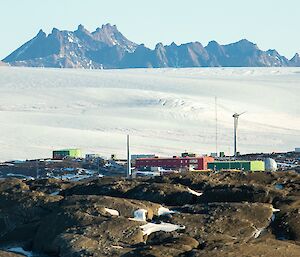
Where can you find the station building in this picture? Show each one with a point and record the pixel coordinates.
(237, 165)
(197, 163)
(61, 154)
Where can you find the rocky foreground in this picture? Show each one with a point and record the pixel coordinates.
(238, 214)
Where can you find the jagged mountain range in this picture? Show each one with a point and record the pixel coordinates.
(108, 48)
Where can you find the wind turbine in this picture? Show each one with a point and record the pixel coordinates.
(236, 121)
(128, 158)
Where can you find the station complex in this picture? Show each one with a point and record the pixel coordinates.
(185, 162)
(202, 163)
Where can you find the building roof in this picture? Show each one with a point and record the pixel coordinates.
(236, 161)
(70, 149)
(173, 158)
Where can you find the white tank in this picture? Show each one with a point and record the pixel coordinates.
(270, 164)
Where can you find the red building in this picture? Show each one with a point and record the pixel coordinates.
(197, 163)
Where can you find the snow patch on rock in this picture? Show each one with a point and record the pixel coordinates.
(164, 211)
(112, 212)
(275, 210)
(20, 250)
(191, 191)
(150, 228)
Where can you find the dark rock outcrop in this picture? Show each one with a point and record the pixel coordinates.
(239, 214)
(22, 210)
(267, 247)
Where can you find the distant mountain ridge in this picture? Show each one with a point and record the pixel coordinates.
(108, 48)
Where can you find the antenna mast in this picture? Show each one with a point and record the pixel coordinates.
(216, 116)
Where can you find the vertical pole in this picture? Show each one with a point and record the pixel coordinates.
(37, 169)
(216, 114)
(235, 116)
(128, 158)
(234, 140)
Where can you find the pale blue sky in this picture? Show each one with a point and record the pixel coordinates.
(269, 23)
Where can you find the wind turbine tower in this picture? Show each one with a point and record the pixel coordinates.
(236, 121)
(128, 158)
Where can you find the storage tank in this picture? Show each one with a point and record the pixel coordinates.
(270, 164)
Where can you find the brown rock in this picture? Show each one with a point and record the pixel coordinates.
(9, 254)
(268, 248)
(224, 223)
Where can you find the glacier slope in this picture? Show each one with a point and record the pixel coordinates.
(166, 111)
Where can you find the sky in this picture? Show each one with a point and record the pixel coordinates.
(271, 24)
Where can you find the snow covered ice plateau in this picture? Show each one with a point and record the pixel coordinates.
(166, 111)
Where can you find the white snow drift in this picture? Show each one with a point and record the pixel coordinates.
(112, 212)
(193, 192)
(162, 211)
(166, 111)
(150, 228)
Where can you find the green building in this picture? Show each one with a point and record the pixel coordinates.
(237, 165)
(61, 154)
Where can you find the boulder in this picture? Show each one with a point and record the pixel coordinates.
(21, 210)
(224, 223)
(266, 248)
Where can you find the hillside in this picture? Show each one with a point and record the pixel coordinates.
(197, 215)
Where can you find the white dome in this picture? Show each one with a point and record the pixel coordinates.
(270, 164)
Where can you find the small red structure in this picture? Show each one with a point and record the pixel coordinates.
(197, 163)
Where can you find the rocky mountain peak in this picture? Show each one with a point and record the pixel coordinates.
(296, 56)
(295, 61)
(196, 44)
(111, 36)
(81, 27)
(213, 44)
(109, 27)
(272, 52)
(82, 31)
(159, 46)
(41, 33)
(173, 44)
(55, 31)
(107, 47)
(244, 43)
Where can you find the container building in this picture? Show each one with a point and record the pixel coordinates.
(61, 154)
(237, 165)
